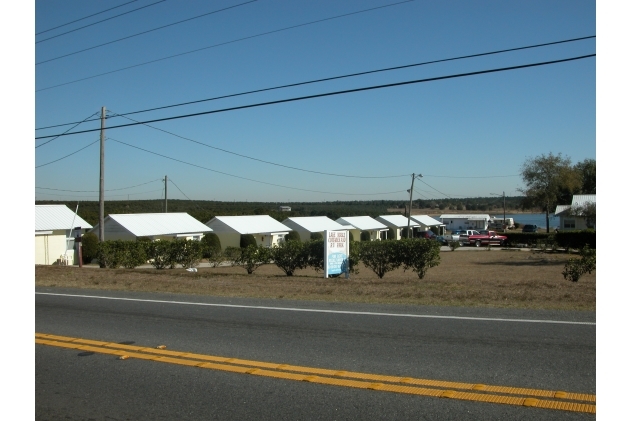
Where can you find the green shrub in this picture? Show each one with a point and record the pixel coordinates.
(315, 254)
(188, 253)
(290, 256)
(109, 254)
(247, 240)
(528, 238)
(575, 268)
(211, 244)
(453, 245)
(89, 247)
(354, 257)
(576, 239)
(419, 255)
(350, 236)
(380, 256)
(161, 254)
(133, 253)
(364, 236)
(231, 255)
(316, 236)
(252, 257)
(292, 236)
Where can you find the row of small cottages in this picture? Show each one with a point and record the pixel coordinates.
(55, 229)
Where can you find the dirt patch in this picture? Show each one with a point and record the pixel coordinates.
(480, 278)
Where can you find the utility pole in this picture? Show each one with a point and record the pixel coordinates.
(102, 180)
(165, 194)
(410, 210)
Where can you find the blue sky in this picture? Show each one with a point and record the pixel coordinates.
(451, 131)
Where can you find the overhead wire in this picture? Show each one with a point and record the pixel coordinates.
(346, 91)
(387, 69)
(84, 120)
(141, 33)
(444, 194)
(96, 191)
(264, 161)
(85, 17)
(112, 195)
(249, 179)
(69, 155)
(227, 42)
(95, 23)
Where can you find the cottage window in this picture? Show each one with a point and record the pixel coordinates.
(569, 223)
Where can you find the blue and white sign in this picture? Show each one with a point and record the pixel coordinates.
(336, 250)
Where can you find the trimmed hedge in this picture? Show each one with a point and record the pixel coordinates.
(292, 236)
(528, 238)
(211, 244)
(247, 240)
(564, 239)
(364, 236)
(89, 247)
(316, 236)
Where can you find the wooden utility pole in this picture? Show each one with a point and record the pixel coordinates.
(165, 194)
(102, 180)
(410, 209)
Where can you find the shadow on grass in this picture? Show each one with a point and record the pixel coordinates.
(533, 262)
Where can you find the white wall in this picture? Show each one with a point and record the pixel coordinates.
(49, 247)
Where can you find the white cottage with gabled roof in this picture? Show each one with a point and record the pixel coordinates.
(357, 224)
(397, 223)
(572, 217)
(476, 221)
(155, 226)
(266, 230)
(427, 223)
(307, 225)
(54, 226)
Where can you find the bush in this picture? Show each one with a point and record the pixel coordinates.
(292, 236)
(252, 257)
(109, 255)
(89, 247)
(290, 256)
(453, 245)
(316, 236)
(350, 237)
(364, 236)
(380, 256)
(231, 255)
(576, 239)
(575, 268)
(161, 254)
(419, 255)
(133, 253)
(211, 244)
(247, 240)
(527, 238)
(353, 257)
(315, 254)
(188, 253)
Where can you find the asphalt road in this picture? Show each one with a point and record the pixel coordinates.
(454, 344)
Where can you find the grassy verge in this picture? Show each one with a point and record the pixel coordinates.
(517, 279)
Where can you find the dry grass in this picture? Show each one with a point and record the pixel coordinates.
(498, 278)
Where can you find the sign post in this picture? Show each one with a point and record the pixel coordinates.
(336, 251)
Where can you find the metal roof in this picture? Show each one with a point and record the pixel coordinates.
(362, 223)
(582, 199)
(313, 223)
(247, 224)
(57, 217)
(472, 217)
(150, 224)
(561, 208)
(398, 221)
(426, 220)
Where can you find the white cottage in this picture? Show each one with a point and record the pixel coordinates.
(570, 219)
(357, 224)
(397, 223)
(155, 226)
(307, 225)
(427, 223)
(465, 221)
(54, 241)
(266, 230)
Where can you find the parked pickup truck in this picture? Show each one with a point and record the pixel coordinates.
(461, 236)
(486, 238)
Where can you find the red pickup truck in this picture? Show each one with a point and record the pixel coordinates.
(486, 238)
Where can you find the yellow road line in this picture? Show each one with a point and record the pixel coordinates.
(259, 368)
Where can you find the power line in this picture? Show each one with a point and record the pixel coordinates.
(481, 176)
(64, 157)
(95, 23)
(112, 195)
(435, 189)
(344, 76)
(67, 130)
(266, 162)
(248, 179)
(347, 91)
(96, 191)
(225, 43)
(85, 17)
(142, 33)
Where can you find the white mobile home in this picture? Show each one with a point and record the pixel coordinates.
(397, 223)
(427, 223)
(466, 221)
(357, 224)
(155, 226)
(307, 225)
(54, 226)
(266, 230)
(572, 217)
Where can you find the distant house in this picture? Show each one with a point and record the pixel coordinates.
(266, 230)
(357, 224)
(427, 223)
(307, 225)
(54, 241)
(570, 219)
(398, 223)
(465, 221)
(155, 226)
(284, 208)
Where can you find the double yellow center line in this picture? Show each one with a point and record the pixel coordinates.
(548, 399)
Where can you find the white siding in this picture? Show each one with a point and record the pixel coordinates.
(48, 248)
